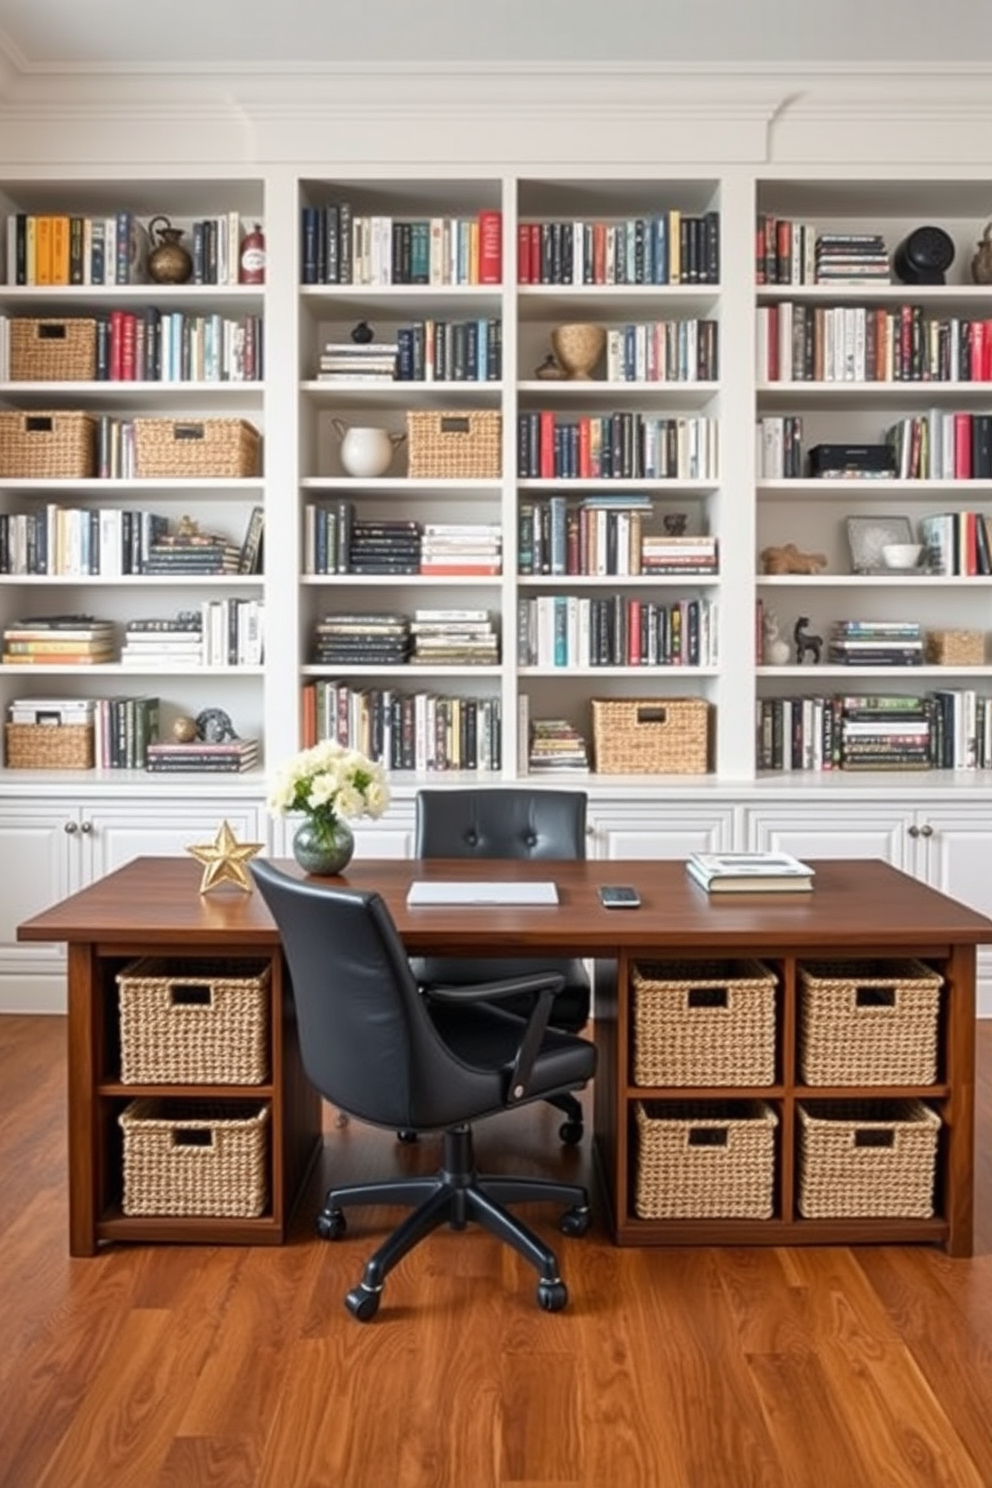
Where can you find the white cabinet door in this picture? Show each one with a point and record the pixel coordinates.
(659, 829)
(838, 830)
(121, 830)
(956, 846)
(40, 849)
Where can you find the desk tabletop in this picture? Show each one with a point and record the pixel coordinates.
(855, 901)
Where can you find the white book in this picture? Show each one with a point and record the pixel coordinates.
(765, 867)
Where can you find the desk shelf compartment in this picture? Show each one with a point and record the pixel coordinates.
(208, 1159)
(868, 1022)
(198, 1022)
(703, 1023)
(867, 1159)
(705, 1160)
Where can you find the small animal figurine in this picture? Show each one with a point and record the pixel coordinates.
(806, 644)
(789, 559)
(775, 651)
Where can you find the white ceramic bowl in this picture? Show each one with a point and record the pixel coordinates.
(901, 555)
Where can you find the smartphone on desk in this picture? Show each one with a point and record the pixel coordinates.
(619, 896)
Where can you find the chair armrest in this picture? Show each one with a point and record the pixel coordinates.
(546, 985)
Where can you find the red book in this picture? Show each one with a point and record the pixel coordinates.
(585, 452)
(308, 723)
(129, 361)
(116, 345)
(633, 632)
(962, 446)
(490, 247)
(535, 253)
(523, 253)
(547, 445)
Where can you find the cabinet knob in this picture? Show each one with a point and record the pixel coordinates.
(914, 831)
(87, 827)
(71, 828)
(926, 830)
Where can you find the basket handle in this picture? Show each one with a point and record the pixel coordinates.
(192, 1136)
(652, 713)
(707, 997)
(191, 994)
(455, 423)
(874, 998)
(51, 330)
(873, 1136)
(38, 423)
(707, 1136)
(188, 431)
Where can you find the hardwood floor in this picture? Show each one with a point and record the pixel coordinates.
(189, 1367)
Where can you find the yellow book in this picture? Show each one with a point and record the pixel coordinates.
(674, 246)
(43, 251)
(60, 250)
(30, 250)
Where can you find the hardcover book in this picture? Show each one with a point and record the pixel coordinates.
(758, 872)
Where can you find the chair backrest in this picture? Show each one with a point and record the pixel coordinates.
(366, 1040)
(501, 823)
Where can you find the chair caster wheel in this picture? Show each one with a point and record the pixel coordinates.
(407, 1136)
(362, 1304)
(570, 1132)
(575, 1221)
(331, 1224)
(552, 1295)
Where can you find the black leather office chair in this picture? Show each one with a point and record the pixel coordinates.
(518, 823)
(374, 1046)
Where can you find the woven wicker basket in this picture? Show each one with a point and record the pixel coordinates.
(199, 1022)
(455, 445)
(44, 746)
(226, 448)
(48, 446)
(870, 1022)
(867, 1159)
(705, 1160)
(704, 1023)
(52, 350)
(651, 736)
(195, 1157)
(955, 647)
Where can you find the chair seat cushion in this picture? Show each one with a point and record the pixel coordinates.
(485, 1037)
(569, 1011)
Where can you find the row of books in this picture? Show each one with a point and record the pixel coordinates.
(957, 542)
(65, 541)
(335, 540)
(943, 444)
(222, 632)
(432, 637)
(663, 351)
(590, 537)
(946, 729)
(855, 343)
(788, 251)
(616, 446)
(559, 630)
(421, 730)
(668, 247)
(341, 246)
(450, 351)
(65, 248)
(779, 447)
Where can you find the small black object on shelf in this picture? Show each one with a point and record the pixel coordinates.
(924, 256)
(363, 333)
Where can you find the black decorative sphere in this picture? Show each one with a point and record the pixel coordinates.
(924, 256)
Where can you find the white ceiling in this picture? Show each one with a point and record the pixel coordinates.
(40, 36)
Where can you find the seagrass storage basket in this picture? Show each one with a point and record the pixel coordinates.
(52, 350)
(47, 445)
(955, 647)
(870, 1022)
(225, 448)
(464, 445)
(49, 746)
(867, 1159)
(651, 736)
(704, 1023)
(205, 1157)
(705, 1160)
(196, 1022)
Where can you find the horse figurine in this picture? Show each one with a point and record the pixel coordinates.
(806, 643)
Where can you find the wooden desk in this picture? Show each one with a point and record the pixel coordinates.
(152, 907)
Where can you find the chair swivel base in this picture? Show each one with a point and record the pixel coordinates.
(456, 1195)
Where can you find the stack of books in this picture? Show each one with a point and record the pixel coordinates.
(454, 638)
(58, 640)
(362, 640)
(556, 745)
(461, 548)
(230, 757)
(175, 642)
(876, 643)
(192, 553)
(852, 258)
(749, 873)
(351, 361)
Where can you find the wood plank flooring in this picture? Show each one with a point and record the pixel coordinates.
(198, 1367)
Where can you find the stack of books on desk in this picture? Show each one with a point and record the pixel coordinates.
(743, 873)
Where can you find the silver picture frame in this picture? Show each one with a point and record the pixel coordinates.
(867, 536)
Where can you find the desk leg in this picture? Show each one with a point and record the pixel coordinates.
(84, 1022)
(960, 1109)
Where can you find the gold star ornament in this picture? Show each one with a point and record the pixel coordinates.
(224, 860)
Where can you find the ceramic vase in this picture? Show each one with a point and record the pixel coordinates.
(578, 348)
(323, 848)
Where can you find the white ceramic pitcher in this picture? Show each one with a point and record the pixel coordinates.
(366, 452)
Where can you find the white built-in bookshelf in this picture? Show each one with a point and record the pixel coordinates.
(686, 379)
